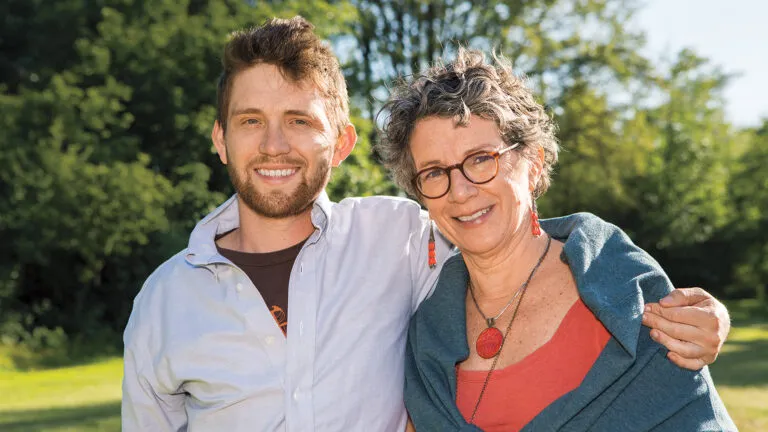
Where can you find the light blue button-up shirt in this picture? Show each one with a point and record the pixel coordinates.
(203, 352)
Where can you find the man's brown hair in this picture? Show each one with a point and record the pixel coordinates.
(301, 56)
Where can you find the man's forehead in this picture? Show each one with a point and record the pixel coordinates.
(267, 77)
(250, 101)
(267, 88)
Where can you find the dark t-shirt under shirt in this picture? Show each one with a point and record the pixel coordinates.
(270, 273)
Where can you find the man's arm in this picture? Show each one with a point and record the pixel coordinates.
(145, 405)
(691, 323)
(143, 408)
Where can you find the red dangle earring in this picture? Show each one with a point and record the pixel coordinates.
(535, 226)
(432, 256)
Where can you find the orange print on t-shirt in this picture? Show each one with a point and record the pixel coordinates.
(280, 317)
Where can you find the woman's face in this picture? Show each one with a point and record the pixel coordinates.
(478, 218)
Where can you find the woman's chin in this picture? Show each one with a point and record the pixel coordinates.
(476, 246)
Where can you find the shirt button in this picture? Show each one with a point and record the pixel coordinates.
(239, 287)
(269, 340)
(296, 395)
(301, 328)
(301, 268)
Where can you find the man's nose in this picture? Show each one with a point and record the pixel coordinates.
(274, 142)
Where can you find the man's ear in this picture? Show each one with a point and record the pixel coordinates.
(217, 136)
(344, 145)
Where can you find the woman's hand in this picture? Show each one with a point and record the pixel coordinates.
(691, 323)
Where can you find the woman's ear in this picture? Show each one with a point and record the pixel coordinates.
(536, 168)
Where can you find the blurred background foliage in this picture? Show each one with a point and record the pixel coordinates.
(106, 162)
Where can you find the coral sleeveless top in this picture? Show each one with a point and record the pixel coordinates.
(518, 392)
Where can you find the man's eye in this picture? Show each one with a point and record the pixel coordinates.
(301, 122)
(251, 121)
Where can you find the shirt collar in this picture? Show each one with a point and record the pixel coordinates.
(201, 249)
(321, 212)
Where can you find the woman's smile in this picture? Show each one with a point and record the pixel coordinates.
(475, 218)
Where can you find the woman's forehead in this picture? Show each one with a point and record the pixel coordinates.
(435, 136)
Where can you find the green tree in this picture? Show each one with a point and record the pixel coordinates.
(555, 42)
(747, 235)
(679, 200)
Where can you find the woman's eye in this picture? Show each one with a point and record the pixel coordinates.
(434, 174)
(481, 158)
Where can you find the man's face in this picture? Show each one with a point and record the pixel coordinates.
(279, 144)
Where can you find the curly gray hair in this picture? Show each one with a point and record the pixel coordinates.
(467, 85)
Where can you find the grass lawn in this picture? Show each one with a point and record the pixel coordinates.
(80, 398)
(741, 372)
(86, 398)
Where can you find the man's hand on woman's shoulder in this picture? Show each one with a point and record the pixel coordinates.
(691, 323)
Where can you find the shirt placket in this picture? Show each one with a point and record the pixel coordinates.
(302, 312)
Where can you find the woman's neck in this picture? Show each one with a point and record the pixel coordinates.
(497, 275)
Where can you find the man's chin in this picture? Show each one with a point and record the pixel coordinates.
(278, 205)
(283, 201)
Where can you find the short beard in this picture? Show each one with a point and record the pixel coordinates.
(278, 205)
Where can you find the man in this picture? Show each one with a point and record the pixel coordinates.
(209, 346)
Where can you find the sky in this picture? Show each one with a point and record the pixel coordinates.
(732, 33)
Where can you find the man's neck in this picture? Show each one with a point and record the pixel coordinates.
(260, 234)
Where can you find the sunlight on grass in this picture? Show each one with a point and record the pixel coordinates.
(79, 385)
(747, 406)
(741, 376)
(79, 398)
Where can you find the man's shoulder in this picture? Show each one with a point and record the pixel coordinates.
(378, 202)
(393, 211)
(161, 292)
(172, 272)
(171, 266)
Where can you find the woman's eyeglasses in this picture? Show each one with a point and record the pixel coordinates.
(478, 168)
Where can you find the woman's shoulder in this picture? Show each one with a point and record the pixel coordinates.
(583, 227)
(614, 277)
(601, 255)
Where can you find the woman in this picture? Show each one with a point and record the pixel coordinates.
(533, 325)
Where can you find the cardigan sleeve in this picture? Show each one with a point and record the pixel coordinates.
(664, 397)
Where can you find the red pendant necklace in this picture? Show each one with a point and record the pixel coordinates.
(489, 343)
